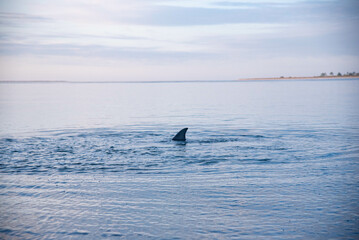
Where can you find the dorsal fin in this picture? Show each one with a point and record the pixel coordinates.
(181, 135)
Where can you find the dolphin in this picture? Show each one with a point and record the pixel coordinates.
(181, 135)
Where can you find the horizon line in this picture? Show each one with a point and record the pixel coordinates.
(318, 78)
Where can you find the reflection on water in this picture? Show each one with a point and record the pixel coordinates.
(262, 160)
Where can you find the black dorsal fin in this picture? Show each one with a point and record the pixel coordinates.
(181, 135)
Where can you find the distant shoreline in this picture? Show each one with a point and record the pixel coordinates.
(177, 81)
(297, 78)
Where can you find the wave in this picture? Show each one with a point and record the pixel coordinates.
(111, 150)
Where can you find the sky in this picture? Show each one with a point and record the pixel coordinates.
(165, 40)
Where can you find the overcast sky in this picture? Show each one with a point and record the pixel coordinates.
(126, 40)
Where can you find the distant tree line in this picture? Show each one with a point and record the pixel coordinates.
(348, 74)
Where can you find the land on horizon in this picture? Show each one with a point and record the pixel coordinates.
(174, 81)
(306, 77)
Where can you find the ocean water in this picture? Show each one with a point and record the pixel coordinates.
(262, 160)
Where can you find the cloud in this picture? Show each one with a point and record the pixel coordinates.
(7, 16)
(185, 13)
(176, 33)
(99, 51)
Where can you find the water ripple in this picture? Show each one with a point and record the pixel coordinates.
(99, 150)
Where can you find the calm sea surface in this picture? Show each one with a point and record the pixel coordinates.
(263, 160)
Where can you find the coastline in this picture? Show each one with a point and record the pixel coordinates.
(297, 78)
(178, 81)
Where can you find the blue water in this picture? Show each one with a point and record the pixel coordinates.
(262, 160)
